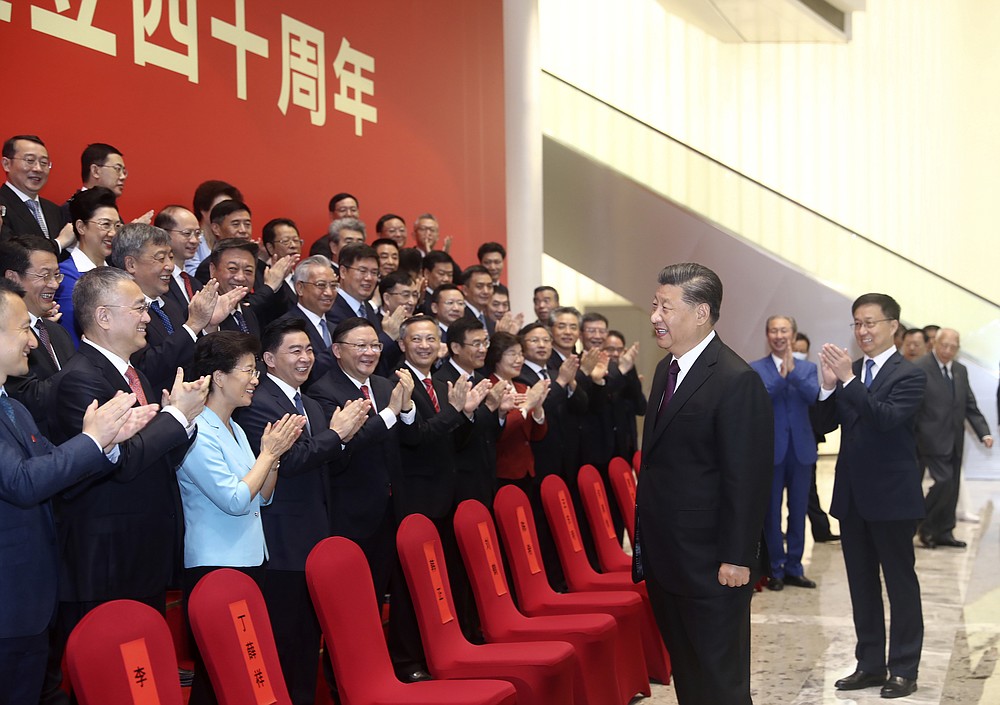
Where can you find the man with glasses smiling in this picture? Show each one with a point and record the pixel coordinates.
(316, 286)
(185, 237)
(103, 165)
(26, 161)
(876, 493)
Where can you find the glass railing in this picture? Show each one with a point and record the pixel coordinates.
(838, 257)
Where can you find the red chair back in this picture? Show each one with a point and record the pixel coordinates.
(623, 486)
(340, 584)
(233, 632)
(598, 510)
(516, 522)
(121, 653)
(561, 513)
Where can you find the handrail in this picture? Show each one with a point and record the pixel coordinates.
(780, 195)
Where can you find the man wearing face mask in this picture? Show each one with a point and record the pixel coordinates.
(793, 386)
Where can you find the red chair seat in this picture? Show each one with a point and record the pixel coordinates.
(610, 554)
(592, 635)
(537, 598)
(119, 650)
(541, 672)
(340, 584)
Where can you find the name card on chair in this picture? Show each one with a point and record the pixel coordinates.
(602, 505)
(630, 484)
(434, 570)
(499, 584)
(260, 682)
(574, 535)
(529, 546)
(139, 670)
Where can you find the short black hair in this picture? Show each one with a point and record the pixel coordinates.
(933, 327)
(226, 208)
(15, 252)
(384, 241)
(96, 153)
(8, 286)
(8, 146)
(890, 309)
(488, 247)
(459, 330)
(530, 327)
(385, 219)
(591, 316)
(267, 235)
(802, 336)
(340, 197)
(356, 252)
(436, 257)
(220, 352)
(618, 334)
(392, 280)
(275, 332)
(499, 288)
(472, 271)
(347, 325)
(907, 334)
(500, 343)
(410, 259)
(232, 243)
(447, 286)
(208, 191)
(542, 289)
(699, 284)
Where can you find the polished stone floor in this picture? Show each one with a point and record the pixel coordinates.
(803, 640)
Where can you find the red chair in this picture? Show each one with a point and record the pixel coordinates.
(637, 461)
(593, 636)
(581, 577)
(541, 672)
(233, 633)
(535, 597)
(121, 653)
(610, 554)
(340, 584)
(623, 486)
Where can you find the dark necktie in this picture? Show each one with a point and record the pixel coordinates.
(543, 373)
(7, 408)
(363, 311)
(240, 321)
(154, 306)
(429, 386)
(189, 290)
(482, 320)
(949, 379)
(302, 410)
(869, 364)
(668, 393)
(135, 385)
(43, 337)
(36, 210)
(324, 330)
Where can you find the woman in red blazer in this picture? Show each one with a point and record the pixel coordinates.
(525, 422)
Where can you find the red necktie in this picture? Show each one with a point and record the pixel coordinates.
(186, 278)
(133, 381)
(429, 386)
(364, 392)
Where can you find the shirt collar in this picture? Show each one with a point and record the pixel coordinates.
(686, 360)
(289, 390)
(314, 318)
(21, 194)
(420, 376)
(351, 301)
(881, 358)
(465, 375)
(120, 364)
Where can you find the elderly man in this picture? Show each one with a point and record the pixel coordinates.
(316, 286)
(27, 163)
(948, 404)
(185, 239)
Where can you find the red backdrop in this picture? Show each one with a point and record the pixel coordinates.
(165, 92)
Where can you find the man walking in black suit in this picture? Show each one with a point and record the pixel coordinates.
(298, 517)
(948, 404)
(876, 492)
(27, 164)
(707, 457)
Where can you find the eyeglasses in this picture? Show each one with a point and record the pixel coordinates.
(31, 161)
(364, 272)
(869, 325)
(362, 347)
(252, 371)
(189, 234)
(322, 286)
(122, 171)
(106, 226)
(289, 241)
(140, 309)
(47, 277)
(478, 344)
(401, 230)
(427, 228)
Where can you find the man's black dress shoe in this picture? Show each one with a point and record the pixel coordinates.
(415, 676)
(927, 541)
(950, 541)
(826, 539)
(775, 584)
(898, 687)
(799, 581)
(859, 680)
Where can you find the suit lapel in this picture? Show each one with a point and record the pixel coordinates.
(112, 374)
(655, 395)
(700, 371)
(888, 370)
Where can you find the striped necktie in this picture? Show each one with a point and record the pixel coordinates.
(43, 337)
(154, 306)
(36, 210)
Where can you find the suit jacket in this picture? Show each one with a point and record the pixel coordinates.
(942, 415)
(361, 494)
(491, 327)
(32, 470)
(791, 397)
(557, 453)
(164, 352)
(626, 403)
(20, 221)
(175, 294)
(514, 456)
(33, 389)
(705, 483)
(64, 297)
(324, 359)
(298, 517)
(249, 317)
(428, 457)
(118, 535)
(392, 356)
(476, 451)
(877, 466)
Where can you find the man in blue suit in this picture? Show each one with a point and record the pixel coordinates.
(32, 470)
(793, 387)
(876, 492)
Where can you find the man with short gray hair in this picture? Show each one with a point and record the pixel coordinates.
(316, 286)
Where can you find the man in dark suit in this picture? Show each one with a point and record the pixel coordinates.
(120, 535)
(30, 261)
(185, 236)
(477, 285)
(948, 404)
(316, 289)
(793, 386)
(707, 457)
(32, 471)
(232, 264)
(437, 268)
(26, 161)
(298, 518)
(876, 492)
(630, 401)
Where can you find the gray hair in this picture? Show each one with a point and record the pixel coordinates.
(767, 324)
(562, 311)
(132, 238)
(700, 285)
(93, 289)
(302, 270)
(346, 224)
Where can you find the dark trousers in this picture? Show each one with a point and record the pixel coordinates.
(708, 639)
(818, 520)
(886, 546)
(22, 668)
(942, 498)
(296, 631)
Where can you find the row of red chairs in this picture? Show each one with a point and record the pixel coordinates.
(596, 645)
